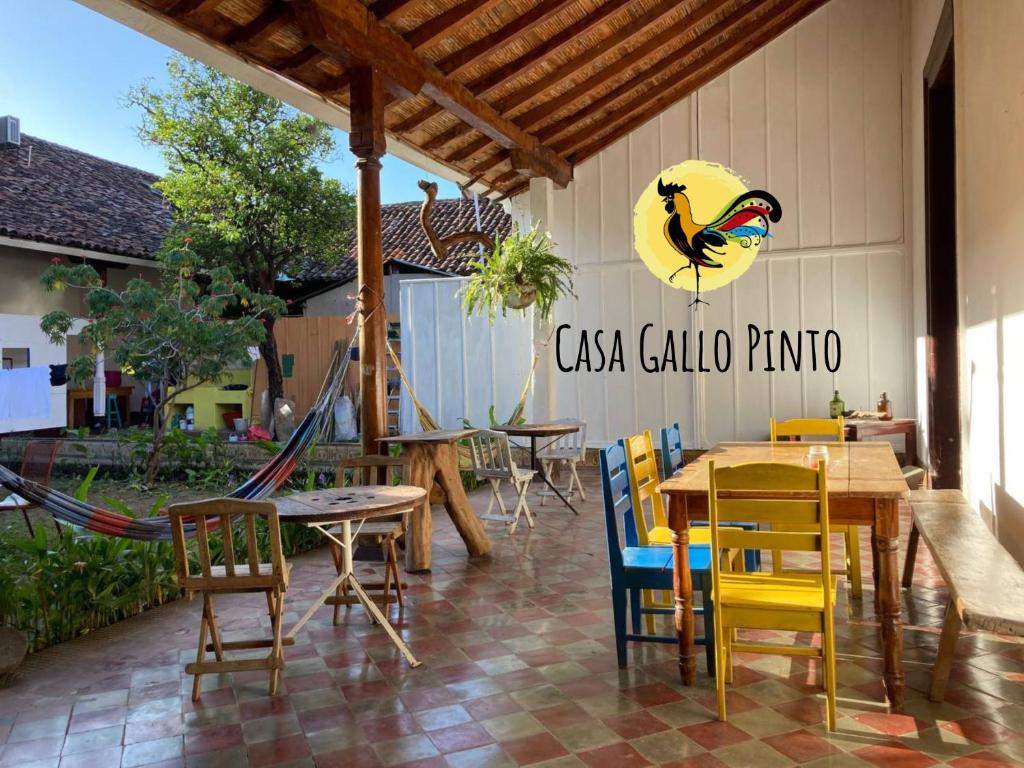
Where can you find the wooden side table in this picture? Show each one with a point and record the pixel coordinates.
(858, 429)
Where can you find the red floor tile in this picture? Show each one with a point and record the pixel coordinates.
(534, 749)
(893, 754)
(801, 746)
(619, 755)
(714, 734)
(635, 724)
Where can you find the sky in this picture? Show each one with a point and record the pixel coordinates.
(65, 70)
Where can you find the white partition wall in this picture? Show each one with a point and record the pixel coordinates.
(815, 118)
(460, 366)
(19, 333)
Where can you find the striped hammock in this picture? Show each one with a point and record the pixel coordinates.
(269, 478)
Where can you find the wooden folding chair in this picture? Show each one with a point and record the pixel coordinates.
(233, 576)
(568, 451)
(492, 461)
(832, 429)
(383, 532)
(794, 502)
(36, 465)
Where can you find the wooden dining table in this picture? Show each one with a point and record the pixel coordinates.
(332, 512)
(865, 486)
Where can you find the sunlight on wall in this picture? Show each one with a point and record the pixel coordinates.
(981, 438)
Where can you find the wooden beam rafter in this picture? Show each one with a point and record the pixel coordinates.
(674, 61)
(273, 18)
(654, 47)
(637, 112)
(386, 9)
(466, 57)
(448, 22)
(348, 31)
(551, 80)
(503, 74)
(299, 59)
(185, 7)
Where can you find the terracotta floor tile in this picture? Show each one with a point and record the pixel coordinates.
(460, 737)
(534, 749)
(619, 755)
(893, 754)
(714, 734)
(801, 746)
(979, 730)
(635, 724)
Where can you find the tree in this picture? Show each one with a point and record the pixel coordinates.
(243, 181)
(186, 331)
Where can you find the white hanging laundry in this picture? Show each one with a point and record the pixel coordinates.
(25, 393)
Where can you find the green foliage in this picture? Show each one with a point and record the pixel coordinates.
(81, 493)
(244, 181)
(55, 590)
(520, 263)
(186, 331)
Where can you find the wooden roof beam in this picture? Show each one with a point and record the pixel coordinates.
(185, 7)
(673, 61)
(570, 68)
(448, 22)
(386, 9)
(466, 57)
(650, 48)
(644, 108)
(264, 25)
(486, 83)
(346, 29)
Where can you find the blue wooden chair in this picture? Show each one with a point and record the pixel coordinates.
(672, 461)
(635, 568)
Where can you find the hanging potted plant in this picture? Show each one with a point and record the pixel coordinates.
(523, 270)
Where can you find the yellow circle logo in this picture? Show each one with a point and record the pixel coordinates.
(697, 227)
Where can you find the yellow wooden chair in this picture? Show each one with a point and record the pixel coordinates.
(794, 429)
(652, 527)
(781, 496)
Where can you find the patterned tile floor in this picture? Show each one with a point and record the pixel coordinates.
(518, 669)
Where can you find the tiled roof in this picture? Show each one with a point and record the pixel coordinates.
(404, 239)
(53, 194)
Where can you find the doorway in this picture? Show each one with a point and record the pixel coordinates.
(942, 344)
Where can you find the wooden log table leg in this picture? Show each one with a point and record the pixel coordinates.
(457, 503)
(886, 538)
(683, 586)
(419, 537)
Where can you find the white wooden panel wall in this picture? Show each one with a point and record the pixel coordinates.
(815, 117)
(460, 366)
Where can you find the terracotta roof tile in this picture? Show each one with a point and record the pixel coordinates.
(405, 241)
(53, 194)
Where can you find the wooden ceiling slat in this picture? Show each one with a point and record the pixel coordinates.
(466, 57)
(264, 25)
(503, 74)
(347, 30)
(185, 7)
(622, 35)
(644, 80)
(448, 22)
(307, 55)
(572, 67)
(466, 152)
(650, 48)
(386, 9)
(644, 108)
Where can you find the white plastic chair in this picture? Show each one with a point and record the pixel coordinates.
(492, 461)
(569, 450)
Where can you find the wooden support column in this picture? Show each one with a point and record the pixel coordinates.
(368, 143)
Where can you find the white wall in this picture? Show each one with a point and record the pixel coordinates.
(22, 331)
(816, 119)
(460, 366)
(990, 194)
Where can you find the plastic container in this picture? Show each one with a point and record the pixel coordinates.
(241, 425)
(229, 419)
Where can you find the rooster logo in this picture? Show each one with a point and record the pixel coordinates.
(727, 243)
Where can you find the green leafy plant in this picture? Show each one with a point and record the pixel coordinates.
(244, 181)
(523, 269)
(187, 331)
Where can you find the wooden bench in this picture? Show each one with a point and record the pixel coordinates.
(986, 585)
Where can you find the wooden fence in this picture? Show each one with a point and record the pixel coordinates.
(311, 342)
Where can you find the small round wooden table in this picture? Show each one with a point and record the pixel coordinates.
(326, 509)
(534, 431)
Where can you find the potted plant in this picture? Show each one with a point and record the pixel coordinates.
(522, 270)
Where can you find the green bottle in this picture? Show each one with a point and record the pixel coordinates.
(836, 407)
